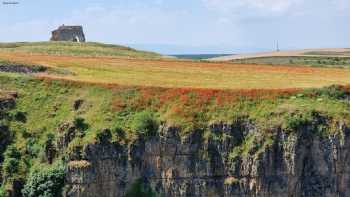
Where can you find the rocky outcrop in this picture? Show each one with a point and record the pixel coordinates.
(234, 160)
(68, 33)
(17, 68)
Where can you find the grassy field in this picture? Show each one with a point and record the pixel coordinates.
(76, 49)
(321, 52)
(198, 56)
(321, 61)
(172, 73)
(125, 94)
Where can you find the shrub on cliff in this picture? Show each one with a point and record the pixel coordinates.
(80, 126)
(2, 192)
(104, 136)
(11, 163)
(297, 120)
(140, 188)
(334, 91)
(294, 121)
(45, 183)
(145, 123)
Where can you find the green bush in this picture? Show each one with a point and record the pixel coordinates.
(334, 92)
(39, 68)
(104, 136)
(297, 120)
(80, 124)
(12, 152)
(10, 166)
(20, 116)
(139, 188)
(11, 163)
(119, 132)
(32, 147)
(145, 123)
(45, 183)
(2, 192)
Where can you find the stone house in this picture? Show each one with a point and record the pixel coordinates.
(68, 33)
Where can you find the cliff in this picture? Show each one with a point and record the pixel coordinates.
(236, 160)
(68, 139)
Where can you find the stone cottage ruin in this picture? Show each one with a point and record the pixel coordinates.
(68, 33)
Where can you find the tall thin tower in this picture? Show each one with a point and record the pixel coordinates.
(277, 46)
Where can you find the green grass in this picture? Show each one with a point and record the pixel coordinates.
(343, 62)
(128, 112)
(90, 49)
(47, 104)
(110, 64)
(328, 53)
(137, 106)
(180, 74)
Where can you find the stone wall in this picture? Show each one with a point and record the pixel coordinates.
(68, 33)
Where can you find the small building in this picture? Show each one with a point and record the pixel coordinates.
(68, 33)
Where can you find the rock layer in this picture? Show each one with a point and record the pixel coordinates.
(17, 68)
(295, 163)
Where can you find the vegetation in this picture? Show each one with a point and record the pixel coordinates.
(145, 124)
(199, 56)
(90, 108)
(117, 113)
(140, 189)
(2, 192)
(104, 136)
(178, 74)
(75, 49)
(296, 121)
(11, 164)
(45, 183)
(320, 61)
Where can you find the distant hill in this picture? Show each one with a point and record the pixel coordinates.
(332, 52)
(90, 49)
(198, 56)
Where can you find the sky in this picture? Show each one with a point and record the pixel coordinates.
(185, 26)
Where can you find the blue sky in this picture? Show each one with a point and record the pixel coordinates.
(186, 26)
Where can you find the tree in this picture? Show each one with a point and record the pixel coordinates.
(45, 183)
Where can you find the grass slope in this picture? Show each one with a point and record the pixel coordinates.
(326, 52)
(48, 103)
(130, 112)
(321, 61)
(171, 73)
(76, 49)
(44, 105)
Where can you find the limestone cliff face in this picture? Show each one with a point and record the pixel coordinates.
(237, 163)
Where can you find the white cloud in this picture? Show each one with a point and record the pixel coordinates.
(272, 6)
(276, 7)
(341, 5)
(254, 23)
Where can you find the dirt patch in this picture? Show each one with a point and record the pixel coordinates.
(18, 68)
